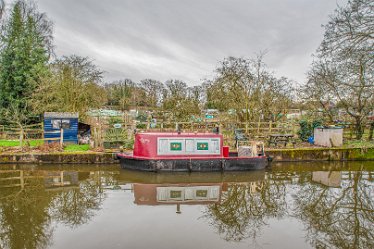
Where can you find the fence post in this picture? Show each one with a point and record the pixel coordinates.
(270, 126)
(61, 137)
(294, 128)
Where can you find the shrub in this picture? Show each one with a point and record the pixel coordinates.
(307, 129)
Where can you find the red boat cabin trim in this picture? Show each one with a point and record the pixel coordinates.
(185, 157)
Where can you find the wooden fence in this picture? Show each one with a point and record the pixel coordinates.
(253, 129)
(34, 131)
(29, 133)
(105, 132)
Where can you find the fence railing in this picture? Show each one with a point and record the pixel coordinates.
(255, 129)
(107, 133)
(34, 131)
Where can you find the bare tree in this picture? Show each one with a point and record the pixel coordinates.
(73, 86)
(153, 91)
(350, 29)
(16, 115)
(2, 9)
(247, 84)
(180, 100)
(343, 70)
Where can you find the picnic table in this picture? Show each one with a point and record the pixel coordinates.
(280, 138)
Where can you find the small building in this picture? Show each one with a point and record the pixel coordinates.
(329, 136)
(54, 122)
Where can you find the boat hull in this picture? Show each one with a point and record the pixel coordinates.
(193, 164)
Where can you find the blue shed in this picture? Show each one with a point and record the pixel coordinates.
(55, 121)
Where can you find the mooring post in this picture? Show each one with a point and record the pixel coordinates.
(179, 209)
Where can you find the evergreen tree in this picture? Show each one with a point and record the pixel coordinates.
(25, 47)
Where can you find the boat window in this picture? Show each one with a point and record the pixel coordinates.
(190, 145)
(202, 146)
(176, 146)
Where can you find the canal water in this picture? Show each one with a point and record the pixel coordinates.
(299, 205)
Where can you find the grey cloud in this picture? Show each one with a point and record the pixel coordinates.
(164, 39)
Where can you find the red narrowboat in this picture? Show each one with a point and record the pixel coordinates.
(190, 152)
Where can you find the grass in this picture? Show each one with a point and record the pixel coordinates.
(14, 143)
(34, 143)
(359, 144)
(77, 147)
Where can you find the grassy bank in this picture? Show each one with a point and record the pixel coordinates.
(77, 147)
(33, 144)
(15, 143)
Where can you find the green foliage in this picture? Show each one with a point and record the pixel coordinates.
(128, 144)
(125, 94)
(72, 87)
(24, 54)
(141, 126)
(307, 129)
(77, 147)
(359, 144)
(142, 117)
(180, 100)
(114, 120)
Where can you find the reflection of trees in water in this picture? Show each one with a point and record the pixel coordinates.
(24, 219)
(77, 206)
(244, 208)
(333, 217)
(26, 213)
(338, 217)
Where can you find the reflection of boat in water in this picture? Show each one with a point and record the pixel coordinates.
(187, 193)
(195, 189)
(166, 194)
(190, 152)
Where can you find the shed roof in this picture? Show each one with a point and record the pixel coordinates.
(61, 115)
(104, 113)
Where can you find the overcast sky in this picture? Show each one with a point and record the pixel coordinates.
(186, 39)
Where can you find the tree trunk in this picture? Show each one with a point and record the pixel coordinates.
(371, 131)
(359, 129)
(21, 137)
